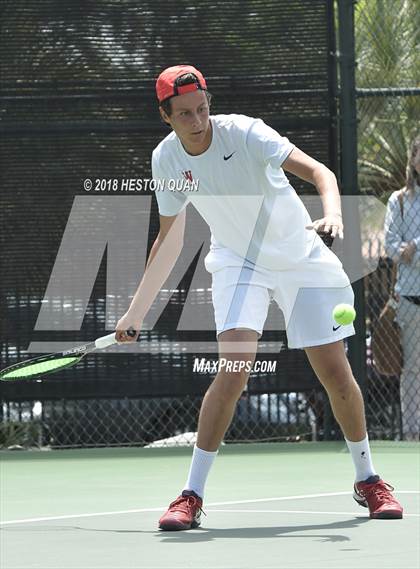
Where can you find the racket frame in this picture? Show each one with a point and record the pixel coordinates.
(79, 352)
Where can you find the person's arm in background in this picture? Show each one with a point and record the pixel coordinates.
(416, 243)
(163, 256)
(396, 248)
(393, 229)
(411, 254)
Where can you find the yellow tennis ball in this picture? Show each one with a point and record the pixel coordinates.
(344, 314)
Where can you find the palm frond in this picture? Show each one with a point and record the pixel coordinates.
(388, 55)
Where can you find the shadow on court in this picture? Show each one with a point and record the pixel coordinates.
(210, 534)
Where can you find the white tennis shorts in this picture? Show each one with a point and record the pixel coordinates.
(306, 293)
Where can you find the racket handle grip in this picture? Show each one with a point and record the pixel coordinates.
(105, 341)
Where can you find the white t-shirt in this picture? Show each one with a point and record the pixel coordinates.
(242, 192)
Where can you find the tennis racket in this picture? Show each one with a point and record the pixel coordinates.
(44, 365)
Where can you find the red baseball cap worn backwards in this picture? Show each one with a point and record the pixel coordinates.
(165, 84)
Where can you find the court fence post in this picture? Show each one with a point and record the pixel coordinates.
(348, 173)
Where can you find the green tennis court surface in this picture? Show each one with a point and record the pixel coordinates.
(268, 506)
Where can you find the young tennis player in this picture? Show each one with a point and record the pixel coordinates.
(264, 246)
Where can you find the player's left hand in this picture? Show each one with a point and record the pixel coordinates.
(331, 223)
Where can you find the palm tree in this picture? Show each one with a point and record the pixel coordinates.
(387, 52)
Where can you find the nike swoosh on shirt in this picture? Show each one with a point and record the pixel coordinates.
(336, 328)
(230, 156)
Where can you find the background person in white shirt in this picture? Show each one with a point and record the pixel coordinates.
(402, 244)
(264, 246)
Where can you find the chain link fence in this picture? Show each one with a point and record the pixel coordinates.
(160, 421)
(388, 108)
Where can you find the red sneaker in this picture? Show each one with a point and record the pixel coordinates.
(375, 494)
(183, 513)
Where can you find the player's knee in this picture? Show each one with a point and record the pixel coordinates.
(232, 383)
(343, 385)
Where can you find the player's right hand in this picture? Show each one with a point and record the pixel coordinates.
(127, 322)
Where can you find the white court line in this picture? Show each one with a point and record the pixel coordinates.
(143, 510)
(296, 512)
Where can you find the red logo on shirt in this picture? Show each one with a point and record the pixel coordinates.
(187, 175)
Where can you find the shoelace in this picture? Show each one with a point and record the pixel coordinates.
(380, 490)
(186, 503)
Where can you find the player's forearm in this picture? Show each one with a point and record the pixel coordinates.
(326, 184)
(161, 261)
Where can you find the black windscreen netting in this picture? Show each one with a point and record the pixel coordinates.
(77, 102)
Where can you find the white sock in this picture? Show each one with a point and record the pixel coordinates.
(360, 453)
(201, 463)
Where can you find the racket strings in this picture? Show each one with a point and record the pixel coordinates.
(39, 368)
